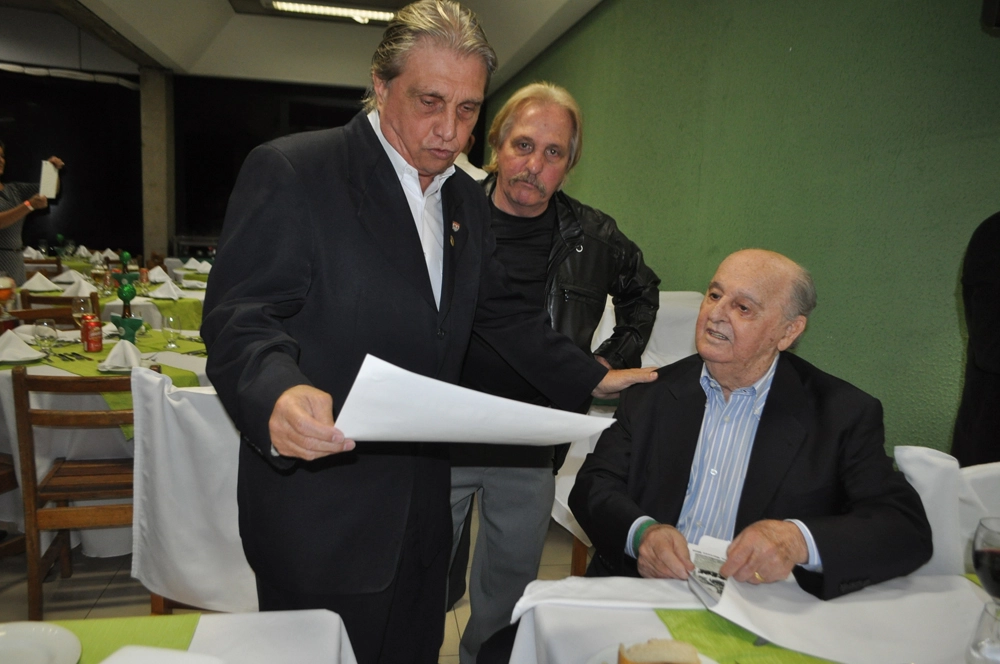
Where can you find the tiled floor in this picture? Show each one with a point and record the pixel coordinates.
(103, 588)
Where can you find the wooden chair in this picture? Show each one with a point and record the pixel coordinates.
(156, 259)
(12, 544)
(28, 301)
(61, 315)
(578, 561)
(50, 266)
(47, 501)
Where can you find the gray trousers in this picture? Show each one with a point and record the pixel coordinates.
(514, 508)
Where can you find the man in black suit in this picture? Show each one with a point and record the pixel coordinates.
(748, 443)
(361, 240)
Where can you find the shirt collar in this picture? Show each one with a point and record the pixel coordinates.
(758, 391)
(401, 166)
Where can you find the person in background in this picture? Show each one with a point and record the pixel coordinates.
(565, 258)
(354, 241)
(977, 427)
(749, 443)
(462, 161)
(17, 201)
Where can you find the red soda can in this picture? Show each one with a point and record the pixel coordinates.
(92, 334)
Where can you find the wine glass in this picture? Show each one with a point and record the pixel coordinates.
(171, 331)
(7, 287)
(79, 307)
(45, 334)
(986, 555)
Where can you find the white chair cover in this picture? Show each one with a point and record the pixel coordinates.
(953, 508)
(186, 541)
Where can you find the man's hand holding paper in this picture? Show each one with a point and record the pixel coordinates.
(766, 551)
(302, 425)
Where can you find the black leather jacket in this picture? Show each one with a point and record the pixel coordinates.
(595, 260)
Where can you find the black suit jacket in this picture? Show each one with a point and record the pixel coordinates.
(320, 263)
(818, 456)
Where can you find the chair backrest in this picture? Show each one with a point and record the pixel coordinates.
(28, 417)
(47, 265)
(61, 315)
(156, 260)
(28, 301)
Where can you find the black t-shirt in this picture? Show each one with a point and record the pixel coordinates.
(523, 247)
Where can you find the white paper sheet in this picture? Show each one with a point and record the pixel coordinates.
(387, 403)
(49, 180)
(917, 619)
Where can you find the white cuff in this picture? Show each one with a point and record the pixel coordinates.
(815, 563)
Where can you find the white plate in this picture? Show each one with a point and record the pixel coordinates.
(44, 643)
(609, 655)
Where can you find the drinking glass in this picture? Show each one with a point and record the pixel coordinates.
(79, 307)
(171, 331)
(43, 246)
(985, 646)
(45, 334)
(986, 555)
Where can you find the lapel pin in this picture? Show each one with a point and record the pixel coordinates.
(455, 226)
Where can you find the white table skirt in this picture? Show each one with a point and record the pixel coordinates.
(274, 637)
(145, 308)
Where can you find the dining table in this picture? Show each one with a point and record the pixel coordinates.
(275, 637)
(920, 619)
(184, 366)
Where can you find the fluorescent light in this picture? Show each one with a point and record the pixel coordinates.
(360, 15)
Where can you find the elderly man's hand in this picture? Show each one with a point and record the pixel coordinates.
(617, 380)
(663, 554)
(301, 425)
(765, 551)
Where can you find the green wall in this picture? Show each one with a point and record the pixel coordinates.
(859, 137)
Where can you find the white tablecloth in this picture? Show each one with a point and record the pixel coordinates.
(275, 637)
(145, 308)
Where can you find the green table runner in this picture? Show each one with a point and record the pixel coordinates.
(191, 275)
(101, 637)
(725, 641)
(187, 309)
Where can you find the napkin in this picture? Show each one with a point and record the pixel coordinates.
(122, 357)
(31, 252)
(39, 283)
(158, 276)
(205, 267)
(82, 252)
(193, 284)
(97, 258)
(13, 349)
(68, 277)
(168, 291)
(107, 253)
(150, 655)
(192, 264)
(80, 289)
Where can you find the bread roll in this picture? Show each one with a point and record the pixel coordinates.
(659, 651)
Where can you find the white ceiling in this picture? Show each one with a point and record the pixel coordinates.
(207, 38)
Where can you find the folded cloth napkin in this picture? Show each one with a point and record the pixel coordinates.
(168, 291)
(205, 267)
(150, 655)
(80, 289)
(82, 252)
(107, 253)
(193, 284)
(27, 333)
(97, 258)
(40, 283)
(13, 349)
(610, 592)
(192, 264)
(108, 329)
(122, 357)
(68, 277)
(158, 276)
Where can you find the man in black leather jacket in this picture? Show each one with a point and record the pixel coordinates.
(566, 257)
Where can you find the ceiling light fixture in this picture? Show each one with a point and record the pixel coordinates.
(362, 16)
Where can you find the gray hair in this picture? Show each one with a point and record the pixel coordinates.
(445, 22)
(802, 298)
(537, 93)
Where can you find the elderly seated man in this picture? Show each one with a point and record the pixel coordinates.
(749, 443)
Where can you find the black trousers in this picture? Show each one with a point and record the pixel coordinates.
(402, 624)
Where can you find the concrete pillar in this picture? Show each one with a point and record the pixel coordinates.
(156, 91)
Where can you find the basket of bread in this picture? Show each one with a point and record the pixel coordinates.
(658, 651)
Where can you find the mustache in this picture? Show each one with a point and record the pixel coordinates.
(528, 178)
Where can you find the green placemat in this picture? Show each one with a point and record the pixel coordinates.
(103, 636)
(725, 641)
(187, 309)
